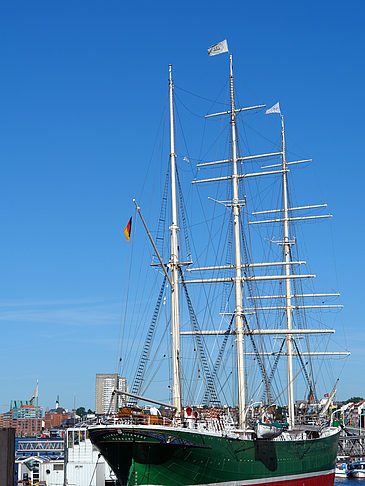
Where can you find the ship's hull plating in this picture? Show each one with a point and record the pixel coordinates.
(164, 456)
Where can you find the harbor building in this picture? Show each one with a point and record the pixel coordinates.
(56, 417)
(105, 384)
(24, 409)
(353, 414)
(5, 420)
(39, 459)
(71, 460)
(26, 418)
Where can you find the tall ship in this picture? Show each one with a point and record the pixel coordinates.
(240, 354)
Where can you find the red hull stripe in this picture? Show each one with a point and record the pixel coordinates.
(322, 478)
(326, 478)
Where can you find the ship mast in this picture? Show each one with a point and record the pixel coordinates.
(288, 292)
(238, 279)
(174, 265)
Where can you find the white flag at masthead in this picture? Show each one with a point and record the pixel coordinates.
(274, 109)
(218, 48)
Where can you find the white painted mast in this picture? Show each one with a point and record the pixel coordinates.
(174, 265)
(238, 279)
(288, 291)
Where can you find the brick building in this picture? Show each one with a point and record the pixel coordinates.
(55, 417)
(24, 417)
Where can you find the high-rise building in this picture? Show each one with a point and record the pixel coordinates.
(24, 409)
(25, 417)
(105, 384)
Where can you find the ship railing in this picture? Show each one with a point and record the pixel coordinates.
(208, 424)
(218, 424)
(143, 420)
(312, 420)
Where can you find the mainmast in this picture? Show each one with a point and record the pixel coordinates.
(174, 265)
(288, 292)
(238, 279)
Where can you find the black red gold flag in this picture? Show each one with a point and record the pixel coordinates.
(128, 229)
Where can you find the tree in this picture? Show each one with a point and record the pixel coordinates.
(81, 412)
(354, 400)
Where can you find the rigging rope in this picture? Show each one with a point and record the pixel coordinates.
(252, 339)
(274, 366)
(160, 233)
(138, 379)
(208, 376)
(218, 361)
(310, 384)
(183, 218)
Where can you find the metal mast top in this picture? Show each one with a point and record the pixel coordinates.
(288, 292)
(238, 266)
(174, 265)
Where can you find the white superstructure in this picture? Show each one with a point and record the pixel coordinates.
(84, 466)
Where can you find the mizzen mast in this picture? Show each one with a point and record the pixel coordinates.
(174, 264)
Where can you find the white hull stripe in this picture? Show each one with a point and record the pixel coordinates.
(264, 480)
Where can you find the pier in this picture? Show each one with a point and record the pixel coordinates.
(351, 445)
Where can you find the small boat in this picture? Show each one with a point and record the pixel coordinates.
(269, 430)
(357, 470)
(342, 469)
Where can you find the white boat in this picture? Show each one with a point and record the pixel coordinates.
(357, 470)
(342, 469)
(269, 430)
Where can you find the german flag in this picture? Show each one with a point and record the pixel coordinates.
(128, 229)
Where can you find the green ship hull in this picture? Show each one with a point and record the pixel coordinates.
(152, 455)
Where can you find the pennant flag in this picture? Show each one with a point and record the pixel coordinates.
(218, 48)
(326, 395)
(274, 109)
(128, 229)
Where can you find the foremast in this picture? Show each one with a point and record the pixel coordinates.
(238, 280)
(174, 264)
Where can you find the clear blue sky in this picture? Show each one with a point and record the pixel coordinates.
(81, 89)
